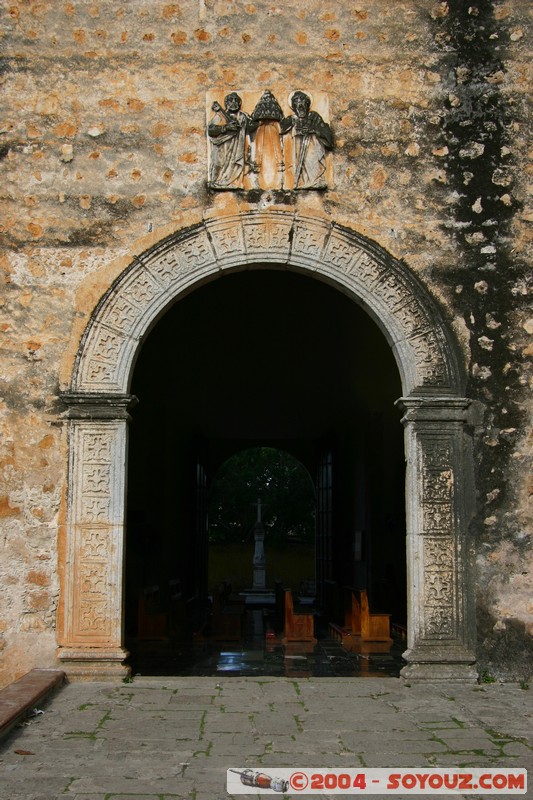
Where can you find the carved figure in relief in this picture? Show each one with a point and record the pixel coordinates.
(311, 139)
(266, 151)
(228, 131)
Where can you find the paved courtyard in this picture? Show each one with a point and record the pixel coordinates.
(174, 738)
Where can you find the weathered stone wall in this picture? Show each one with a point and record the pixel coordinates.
(103, 150)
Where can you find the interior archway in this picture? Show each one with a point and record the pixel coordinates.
(273, 358)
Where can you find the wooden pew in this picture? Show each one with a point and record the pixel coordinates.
(361, 621)
(297, 627)
(374, 627)
(352, 610)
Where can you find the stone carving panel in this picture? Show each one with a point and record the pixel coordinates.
(254, 143)
(437, 487)
(410, 314)
(121, 314)
(166, 267)
(97, 479)
(93, 616)
(95, 543)
(440, 617)
(93, 583)
(308, 242)
(227, 239)
(440, 623)
(91, 565)
(438, 456)
(439, 555)
(439, 586)
(97, 449)
(101, 373)
(142, 288)
(102, 356)
(438, 518)
(341, 255)
(267, 238)
(196, 252)
(95, 509)
(398, 297)
(429, 357)
(367, 269)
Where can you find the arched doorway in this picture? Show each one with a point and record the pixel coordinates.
(270, 358)
(439, 607)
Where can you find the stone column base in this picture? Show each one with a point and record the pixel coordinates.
(439, 669)
(94, 663)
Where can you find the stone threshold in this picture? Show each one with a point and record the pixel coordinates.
(19, 697)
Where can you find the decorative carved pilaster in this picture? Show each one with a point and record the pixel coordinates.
(440, 644)
(91, 640)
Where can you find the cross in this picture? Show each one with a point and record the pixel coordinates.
(259, 506)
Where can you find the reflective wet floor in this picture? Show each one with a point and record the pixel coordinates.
(259, 654)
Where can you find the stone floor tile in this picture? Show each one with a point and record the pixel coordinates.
(138, 742)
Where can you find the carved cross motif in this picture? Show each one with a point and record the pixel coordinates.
(95, 509)
(96, 478)
(97, 448)
(95, 543)
(93, 617)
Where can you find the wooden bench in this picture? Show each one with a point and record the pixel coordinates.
(374, 627)
(297, 627)
(352, 611)
(360, 621)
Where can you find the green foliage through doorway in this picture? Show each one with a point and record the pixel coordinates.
(285, 489)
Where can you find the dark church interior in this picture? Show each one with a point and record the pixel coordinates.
(265, 358)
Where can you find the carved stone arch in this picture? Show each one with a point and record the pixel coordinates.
(398, 302)
(440, 619)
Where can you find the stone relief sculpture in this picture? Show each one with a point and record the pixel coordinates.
(311, 139)
(268, 149)
(228, 131)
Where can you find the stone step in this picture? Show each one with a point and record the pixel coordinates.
(21, 696)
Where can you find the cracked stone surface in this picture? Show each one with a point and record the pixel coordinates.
(174, 738)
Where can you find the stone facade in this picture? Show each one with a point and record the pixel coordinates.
(107, 217)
